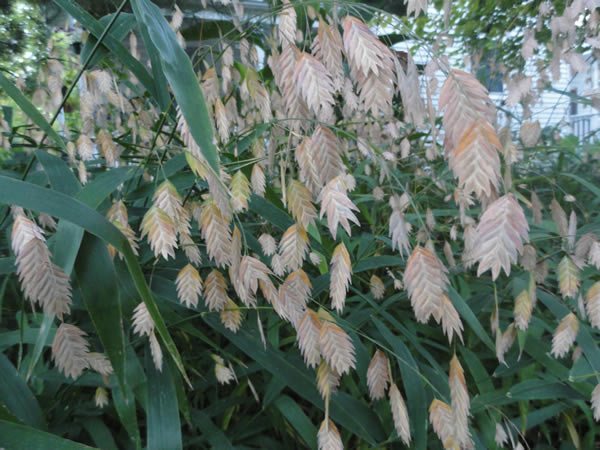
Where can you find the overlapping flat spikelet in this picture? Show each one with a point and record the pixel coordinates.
(231, 316)
(299, 203)
(592, 304)
(293, 247)
(118, 215)
(336, 347)
(223, 374)
(399, 230)
(559, 216)
(42, 281)
(536, 208)
(442, 421)
(70, 350)
(287, 23)
(565, 335)
(329, 437)
(372, 66)
(327, 48)
(378, 375)
(326, 151)
(240, 191)
(341, 273)
(215, 295)
(308, 338)
(292, 297)
(258, 181)
(328, 380)
(409, 87)
(161, 232)
(500, 236)
(189, 286)
(460, 403)
(216, 233)
(268, 244)
(337, 206)
(305, 157)
(450, 320)
(568, 277)
(471, 142)
(426, 281)
(252, 270)
(155, 351)
(376, 287)
(315, 86)
(400, 414)
(504, 342)
(522, 310)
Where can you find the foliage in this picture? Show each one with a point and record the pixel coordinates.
(305, 251)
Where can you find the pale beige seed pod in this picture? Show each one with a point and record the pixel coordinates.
(595, 400)
(101, 397)
(337, 206)
(460, 403)
(215, 297)
(441, 418)
(161, 232)
(155, 351)
(377, 287)
(293, 248)
(308, 338)
(299, 203)
(568, 277)
(268, 244)
(337, 348)
(329, 437)
(592, 304)
(378, 375)
(231, 316)
(240, 191)
(400, 414)
(223, 373)
(341, 274)
(564, 336)
(328, 380)
(70, 350)
(522, 310)
(189, 286)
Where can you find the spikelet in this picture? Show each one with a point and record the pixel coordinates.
(460, 403)
(287, 24)
(378, 376)
(85, 148)
(161, 232)
(336, 347)
(568, 277)
(240, 191)
(143, 324)
(70, 350)
(583, 247)
(594, 255)
(258, 180)
(308, 338)
(299, 204)
(327, 48)
(305, 156)
(442, 420)
(559, 216)
(500, 236)
(595, 400)
(231, 316)
(451, 323)
(400, 414)
(167, 199)
(292, 297)
(293, 247)
(118, 215)
(100, 363)
(425, 279)
(500, 437)
(504, 342)
(155, 351)
(410, 89)
(536, 208)
(223, 374)
(522, 310)
(101, 397)
(372, 66)
(377, 287)
(327, 156)
(268, 244)
(189, 286)
(565, 335)
(399, 231)
(328, 380)
(329, 437)
(315, 86)
(215, 297)
(42, 281)
(251, 270)
(337, 206)
(471, 142)
(221, 121)
(189, 247)
(341, 273)
(592, 304)
(415, 7)
(216, 233)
